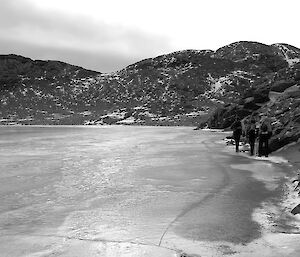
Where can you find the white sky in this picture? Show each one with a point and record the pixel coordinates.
(107, 35)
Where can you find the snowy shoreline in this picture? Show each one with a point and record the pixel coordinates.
(280, 228)
(273, 242)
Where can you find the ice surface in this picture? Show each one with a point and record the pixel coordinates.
(124, 191)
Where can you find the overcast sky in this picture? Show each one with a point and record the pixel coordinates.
(108, 35)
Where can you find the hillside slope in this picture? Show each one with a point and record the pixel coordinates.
(190, 87)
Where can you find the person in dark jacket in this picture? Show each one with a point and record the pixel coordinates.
(252, 135)
(237, 132)
(265, 132)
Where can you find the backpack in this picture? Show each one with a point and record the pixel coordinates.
(264, 128)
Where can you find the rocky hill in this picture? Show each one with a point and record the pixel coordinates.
(32, 92)
(199, 88)
(275, 95)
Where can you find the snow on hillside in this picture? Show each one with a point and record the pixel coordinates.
(182, 85)
(291, 55)
(224, 84)
(244, 75)
(217, 84)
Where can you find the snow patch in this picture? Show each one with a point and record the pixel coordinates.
(289, 54)
(216, 84)
(115, 115)
(129, 120)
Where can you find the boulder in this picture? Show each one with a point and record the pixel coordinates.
(293, 91)
(281, 85)
(296, 210)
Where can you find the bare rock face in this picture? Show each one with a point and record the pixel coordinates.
(191, 87)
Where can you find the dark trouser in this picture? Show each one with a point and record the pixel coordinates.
(252, 145)
(237, 142)
(263, 145)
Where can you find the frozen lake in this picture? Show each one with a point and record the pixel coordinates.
(121, 191)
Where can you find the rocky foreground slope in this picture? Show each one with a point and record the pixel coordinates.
(199, 88)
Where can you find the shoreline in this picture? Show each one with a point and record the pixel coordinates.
(276, 238)
(279, 227)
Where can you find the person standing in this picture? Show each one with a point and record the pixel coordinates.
(252, 135)
(265, 132)
(237, 132)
